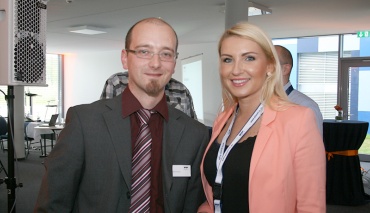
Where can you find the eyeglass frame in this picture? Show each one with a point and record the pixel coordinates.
(151, 53)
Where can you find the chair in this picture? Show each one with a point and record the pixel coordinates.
(29, 140)
(3, 131)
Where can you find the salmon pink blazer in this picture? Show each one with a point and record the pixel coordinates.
(288, 165)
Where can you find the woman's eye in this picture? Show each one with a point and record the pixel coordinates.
(250, 58)
(227, 60)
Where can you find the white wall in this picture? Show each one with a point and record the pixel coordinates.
(86, 73)
(211, 80)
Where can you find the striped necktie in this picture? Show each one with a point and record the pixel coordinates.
(141, 168)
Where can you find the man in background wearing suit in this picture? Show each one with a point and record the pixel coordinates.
(295, 96)
(91, 167)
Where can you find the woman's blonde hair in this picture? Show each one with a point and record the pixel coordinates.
(273, 93)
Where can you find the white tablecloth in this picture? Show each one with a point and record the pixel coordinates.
(36, 133)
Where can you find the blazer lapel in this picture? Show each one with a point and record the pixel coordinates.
(262, 137)
(220, 123)
(119, 129)
(172, 133)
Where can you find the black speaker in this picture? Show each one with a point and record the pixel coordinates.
(23, 42)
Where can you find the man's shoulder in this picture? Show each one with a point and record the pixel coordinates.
(301, 99)
(177, 114)
(98, 105)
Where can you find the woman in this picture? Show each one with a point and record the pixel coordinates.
(266, 154)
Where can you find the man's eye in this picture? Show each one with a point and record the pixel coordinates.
(143, 52)
(166, 54)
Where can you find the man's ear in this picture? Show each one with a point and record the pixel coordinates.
(286, 69)
(124, 59)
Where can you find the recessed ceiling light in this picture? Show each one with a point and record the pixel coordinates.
(254, 9)
(87, 30)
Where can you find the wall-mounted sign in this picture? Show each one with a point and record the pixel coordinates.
(363, 34)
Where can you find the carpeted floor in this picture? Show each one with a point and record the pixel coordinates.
(29, 172)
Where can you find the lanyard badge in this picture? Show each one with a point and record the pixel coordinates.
(222, 155)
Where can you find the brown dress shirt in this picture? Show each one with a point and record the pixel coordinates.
(129, 108)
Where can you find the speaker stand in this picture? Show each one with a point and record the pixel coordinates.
(10, 181)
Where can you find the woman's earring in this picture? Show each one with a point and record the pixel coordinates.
(269, 74)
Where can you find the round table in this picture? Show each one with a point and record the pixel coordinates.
(344, 184)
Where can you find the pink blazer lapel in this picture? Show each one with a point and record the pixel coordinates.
(220, 123)
(263, 136)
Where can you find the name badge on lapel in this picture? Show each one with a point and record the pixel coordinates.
(181, 171)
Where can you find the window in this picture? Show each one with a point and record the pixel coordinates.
(359, 47)
(317, 78)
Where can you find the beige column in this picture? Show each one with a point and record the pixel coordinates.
(235, 11)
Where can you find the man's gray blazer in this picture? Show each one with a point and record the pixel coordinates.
(89, 169)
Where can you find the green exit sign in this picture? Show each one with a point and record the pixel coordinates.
(363, 34)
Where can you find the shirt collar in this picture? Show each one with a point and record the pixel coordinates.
(287, 85)
(133, 105)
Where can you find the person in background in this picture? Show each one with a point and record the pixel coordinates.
(176, 92)
(266, 153)
(286, 63)
(131, 153)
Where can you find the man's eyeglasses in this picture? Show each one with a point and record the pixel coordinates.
(164, 55)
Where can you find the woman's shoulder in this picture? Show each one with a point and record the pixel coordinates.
(283, 107)
(288, 111)
(297, 108)
(295, 113)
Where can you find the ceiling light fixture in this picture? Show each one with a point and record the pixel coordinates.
(254, 9)
(87, 30)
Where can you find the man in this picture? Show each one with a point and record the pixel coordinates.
(177, 94)
(286, 62)
(99, 165)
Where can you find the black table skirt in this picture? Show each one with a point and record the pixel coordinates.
(344, 184)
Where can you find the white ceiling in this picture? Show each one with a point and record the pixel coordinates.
(195, 21)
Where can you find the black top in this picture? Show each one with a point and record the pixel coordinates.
(235, 175)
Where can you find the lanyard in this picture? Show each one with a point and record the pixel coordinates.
(222, 155)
